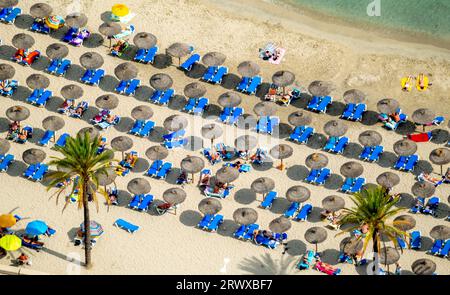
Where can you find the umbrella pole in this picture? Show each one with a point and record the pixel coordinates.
(179, 61)
(423, 128)
(316, 248)
(192, 178)
(442, 171)
(123, 156)
(212, 142)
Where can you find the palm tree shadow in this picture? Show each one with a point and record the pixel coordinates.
(267, 265)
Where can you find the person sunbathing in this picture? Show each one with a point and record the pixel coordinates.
(395, 116)
(110, 119)
(408, 85)
(422, 81)
(434, 180)
(22, 136)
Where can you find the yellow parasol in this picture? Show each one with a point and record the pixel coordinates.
(7, 220)
(54, 22)
(120, 10)
(10, 243)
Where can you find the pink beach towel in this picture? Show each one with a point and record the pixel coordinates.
(281, 52)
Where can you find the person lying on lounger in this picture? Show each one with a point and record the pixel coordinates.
(22, 136)
(110, 119)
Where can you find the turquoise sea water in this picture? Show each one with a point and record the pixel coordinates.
(431, 17)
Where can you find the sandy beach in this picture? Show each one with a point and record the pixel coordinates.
(171, 244)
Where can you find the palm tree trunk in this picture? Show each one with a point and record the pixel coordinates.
(376, 267)
(87, 222)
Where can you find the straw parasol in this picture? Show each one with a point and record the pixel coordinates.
(53, 123)
(440, 156)
(423, 117)
(440, 232)
(209, 206)
(335, 128)
(423, 266)
(139, 186)
(23, 41)
(316, 235)
(211, 131)
(175, 123)
(227, 174)
(40, 10)
(174, 196)
(192, 164)
(179, 50)
(91, 60)
(89, 130)
(72, 91)
(298, 194)
(281, 152)
(57, 51)
(320, 88)
(333, 203)
(280, 225)
(38, 81)
(423, 189)
(264, 108)
(6, 72)
(194, 90)
(352, 246)
(316, 161)
(8, 3)
(144, 40)
(389, 255)
(354, 96)
(17, 113)
(109, 29)
(107, 101)
(404, 222)
(76, 20)
(370, 138)
(33, 156)
(245, 216)
(126, 71)
(229, 99)
(283, 79)
(263, 185)
(107, 178)
(388, 179)
(245, 143)
(405, 147)
(142, 112)
(388, 106)
(122, 144)
(214, 59)
(352, 169)
(157, 152)
(4, 146)
(248, 69)
(300, 118)
(161, 81)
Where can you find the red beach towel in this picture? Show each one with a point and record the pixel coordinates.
(420, 137)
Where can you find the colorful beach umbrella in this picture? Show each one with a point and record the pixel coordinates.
(54, 22)
(120, 10)
(7, 220)
(36, 228)
(95, 228)
(10, 243)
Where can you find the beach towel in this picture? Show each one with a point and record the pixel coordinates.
(279, 57)
(420, 137)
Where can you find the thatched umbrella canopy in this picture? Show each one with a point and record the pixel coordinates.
(139, 186)
(316, 235)
(245, 216)
(404, 222)
(23, 41)
(17, 113)
(423, 189)
(354, 96)
(91, 60)
(179, 50)
(298, 194)
(174, 196)
(388, 106)
(4, 146)
(107, 101)
(280, 225)
(107, 178)
(122, 144)
(211, 131)
(245, 142)
(76, 20)
(264, 108)
(405, 147)
(423, 266)
(53, 123)
(109, 29)
(6, 71)
(72, 91)
(89, 130)
(389, 255)
(440, 232)
(8, 3)
(352, 169)
(41, 10)
(213, 59)
(192, 164)
(175, 123)
(142, 112)
(126, 71)
(229, 99)
(209, 206)
(335, 128)
(161, 81)
(388, 179)
(283, 79)
(248, 69)
(194, 90)
(423, 117)
(57, 51)
(370, 138)
(281, 152)
(33, 156)
(227, 174)
(333, 203)
(316, 161)
(300, 118)
(144, 40)
(352, 246)
(263, 185)
(440, 156)
(320, 88)
(157, 152)
(38, 81)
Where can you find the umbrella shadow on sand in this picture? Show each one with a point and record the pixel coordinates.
(336, 109)
(16, 169)
(440, 136)
(280, 205)
(264, 166)
(108, 83)
(262, 90)
(141, 165)
(266, 265)
(124, 125)
(230, 81)
(21, 93)
(334, 182)
(406, 201)
(369, 118)
(74, 73)
(302, 101)
(94, 41)
(227, 228)
(387, 159)
(190, 218)
(143, 93)
(295, 247)
(197, 71)
(177, 102)
(422, 167)
(24, 21)
(353, 150)
(6, 52)
(245, 196)
(297, 172)
(37, 135)
(89, 114)
(54, 103)
(317, 141)
(4, 125)
(41, 64)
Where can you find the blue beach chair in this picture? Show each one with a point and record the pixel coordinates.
(254, 84)
(218, 77)
(225, 114)
(137, 127)
(268, 200)
(63, 67)
(62, 140)
(293, 208)
(154, 168)
(150, 56)
(129, 227)
(416, 240)
(201, 106)
(411, 163)
(12, 15)
(348, 112)
(156, 96)
(242, 86)
(6, 162)
(357, 185)
(436, 248)
(358, 113)
(145, 203)
(209, 74)
(189, 63)
(323, 176)
(313, 103)
(135, 201)
(147, 128)
(376, 153)
(250, 231)
(340, 145)
(48, 135)
(237, 113)
(120, 88)
(166, 97)
(240, 232)
(53, 66)
(190, 105)
(214, 225)
(42, 100)
(304, 213)
(324, 103)
(331, 143)
(313, 174)
(444, 251)
(133, 85)
(43, 169)
(206, 220)
(347, 185)
(165, 169)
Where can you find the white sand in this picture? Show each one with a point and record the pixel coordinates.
(171, 244)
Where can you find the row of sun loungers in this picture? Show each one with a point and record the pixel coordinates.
(68, 109)
(249, 85)
(336, 144)
(319, 104)
(36, 172)
(353, 185)
(215, 75)
(8, 15)
(39, 97)
(196, 106)
(268, 200)
(162, 97)
(174, 139)
(406, 163)
(142, 128)
(267, 124)
(141, 202)
(428, 209)
(49, 134)
(59, 67)
(128, 87)
(210, 222)
(371, 154)
(93, 77)
(246, 232)
(354, 112)
(318, 176)
(146, 56)
(301, 134)
(298, 212)
(231, 115)
(159, 169)
(440, 248)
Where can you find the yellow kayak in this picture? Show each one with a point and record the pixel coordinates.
(425, 83)
(406, 83)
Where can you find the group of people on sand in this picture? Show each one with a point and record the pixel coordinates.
(16, 133)
(422, 82)
(435, 180)
(70, 107)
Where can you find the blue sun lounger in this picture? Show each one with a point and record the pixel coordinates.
(331, 143)
(147, 128)
(304, 213)
(63, 67)
(42, 100)
(137, 127)
(348, 112)
(120, 88)
(237, 113)
(365, 154)
(129, 227)
(140, 55)
(150, 56)
(268, 200)
(401, 242)
(293, 208)
(5, 162)
(323, 176)
(189, 63)
(46, 138)
(444, 251)
(34, 96)
(209, 73)
(242, 86)
(313, 174)
(226, 113)
(206, 220)
(324, 103)
(166, 97)
(135, 201)
(201, 106)
(92, 77)
(254, 84)
(418, 206)
(340, 146)
(357, 185)
(240, 232)
(376, 153)
(62, 140)
(175, 143)
(190, 105)
(156, 96)
(87, 76)
(301, 134)
(154, 168)
(437, 246)
(310, 257)
(174, 135)
(416, 240)
(53, 66)
(69, 35)
(251, 228)
(31, 170)
(313, 103)
(10, 15)
(401, 162)
(133, 85)
(358, 113)
(145, 203)
(347, 185)
(214, 225)
(165, 169)
(411, 163)
(218, 77)
(43, 169)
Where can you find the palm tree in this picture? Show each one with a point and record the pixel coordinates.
(80, 160)
(373, 207)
